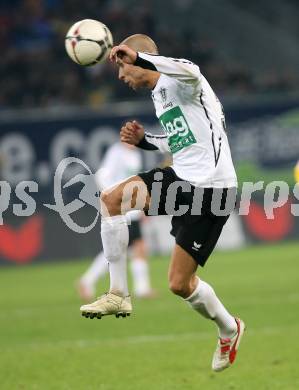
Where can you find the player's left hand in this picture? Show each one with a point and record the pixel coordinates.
(123, 52)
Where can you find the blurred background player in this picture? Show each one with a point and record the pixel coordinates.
(121, 160)
(296, 172)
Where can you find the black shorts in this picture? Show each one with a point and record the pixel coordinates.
(134, 232)
(196, 232)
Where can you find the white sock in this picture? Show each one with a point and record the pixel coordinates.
(204, 301)
(141, 278)
(115, 238)
(98, 268)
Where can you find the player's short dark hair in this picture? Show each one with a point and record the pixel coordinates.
(141, 42)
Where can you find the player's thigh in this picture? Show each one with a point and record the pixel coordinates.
(158, 182)
(130, 194)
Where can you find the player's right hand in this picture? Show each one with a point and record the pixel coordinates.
(123, 52)
(132, 133)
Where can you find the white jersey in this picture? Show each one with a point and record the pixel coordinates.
(193, 122)
(120, 162)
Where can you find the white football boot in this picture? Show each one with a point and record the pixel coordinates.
(108, 304)
(227, 348)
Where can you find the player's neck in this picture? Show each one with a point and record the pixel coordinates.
(152, 79)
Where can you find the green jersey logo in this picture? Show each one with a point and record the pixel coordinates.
(177, 129)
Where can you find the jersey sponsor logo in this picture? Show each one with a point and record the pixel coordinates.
(177, 129)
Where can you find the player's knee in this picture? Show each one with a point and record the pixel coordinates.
(178, 287)
(104, 198)
(110, 202)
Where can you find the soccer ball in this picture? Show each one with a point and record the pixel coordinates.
(88, 42)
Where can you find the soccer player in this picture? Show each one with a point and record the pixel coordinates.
(194, 132)
(121, 160)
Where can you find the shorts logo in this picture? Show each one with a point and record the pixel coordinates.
(196, 246)
(177, 129)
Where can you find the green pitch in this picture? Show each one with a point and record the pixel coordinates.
(46, 344)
